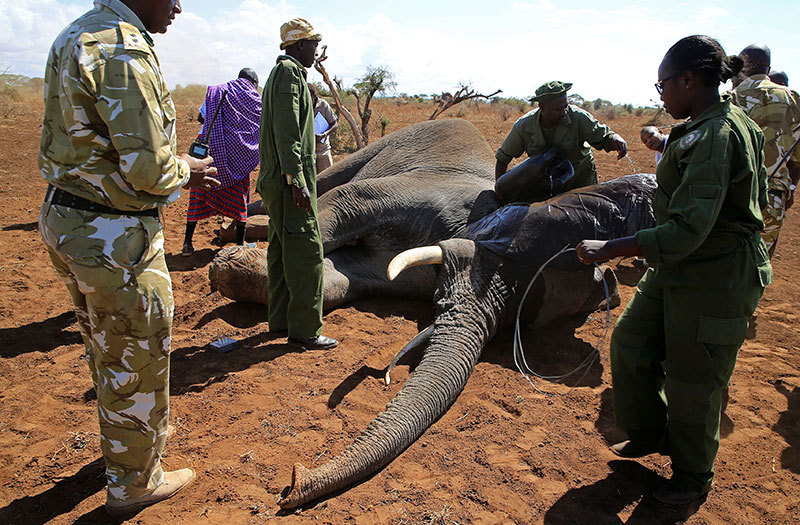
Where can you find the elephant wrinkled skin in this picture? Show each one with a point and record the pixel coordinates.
(416, 186)
(431, 184)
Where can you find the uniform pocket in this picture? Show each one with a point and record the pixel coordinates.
(718, 331)
(721, 339)
(704, 191)
(765, 273)
(130, 248)
(170, 114)
(81, 249)
(300, 224)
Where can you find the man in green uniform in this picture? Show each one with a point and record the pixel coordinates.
(287, 184)
(557, 123)
(108, 152)
(776, 112)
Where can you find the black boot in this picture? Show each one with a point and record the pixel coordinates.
(188, 249)
(240, 230)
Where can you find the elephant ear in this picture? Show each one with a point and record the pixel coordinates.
(497, 231)
(529, 233)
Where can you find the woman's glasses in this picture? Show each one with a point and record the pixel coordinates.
(660, 84)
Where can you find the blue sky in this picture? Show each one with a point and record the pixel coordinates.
(609, 50)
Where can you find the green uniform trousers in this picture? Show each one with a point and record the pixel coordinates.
(294, 263)
(115, 271)
(673, 351)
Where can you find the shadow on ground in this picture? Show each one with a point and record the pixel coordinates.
(627, 487)
(40, 336)
(788, 426)
(59, 499)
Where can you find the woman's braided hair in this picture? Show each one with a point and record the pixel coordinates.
(705, 57)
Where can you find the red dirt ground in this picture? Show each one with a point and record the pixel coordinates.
(503, 453)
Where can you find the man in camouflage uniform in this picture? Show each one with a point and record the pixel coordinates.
(108, 152)
(557, 123)
(287, 183)
(775, 110)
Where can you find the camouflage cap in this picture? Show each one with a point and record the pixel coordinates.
(295, 30)
(550, 91)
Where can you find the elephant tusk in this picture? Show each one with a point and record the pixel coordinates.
(414, 257)
(420, 338)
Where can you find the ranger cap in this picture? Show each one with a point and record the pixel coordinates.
(550, 91)
(295, 30)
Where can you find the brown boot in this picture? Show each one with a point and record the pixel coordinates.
(174, 482)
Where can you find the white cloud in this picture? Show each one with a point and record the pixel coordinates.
(606, 52)
(27, 28)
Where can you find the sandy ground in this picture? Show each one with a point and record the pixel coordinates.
(503, 453)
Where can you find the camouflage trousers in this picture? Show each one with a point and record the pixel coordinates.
(115, 271)
(773, 215)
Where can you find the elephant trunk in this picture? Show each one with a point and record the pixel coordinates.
(460, 331)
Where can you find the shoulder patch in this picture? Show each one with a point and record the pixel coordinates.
(688, 140)
(132, 39)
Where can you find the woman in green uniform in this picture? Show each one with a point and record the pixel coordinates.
(674, 347)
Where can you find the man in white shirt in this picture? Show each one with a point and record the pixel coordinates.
(325, 122)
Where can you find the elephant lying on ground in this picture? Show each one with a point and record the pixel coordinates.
(481, 279)
(419, 185)
(427, 184)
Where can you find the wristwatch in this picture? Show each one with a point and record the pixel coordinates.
(792, 187)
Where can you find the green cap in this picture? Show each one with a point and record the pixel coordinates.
(550, 91)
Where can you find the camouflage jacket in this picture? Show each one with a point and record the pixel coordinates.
(573, 136)
(775, 109)
(108, 133)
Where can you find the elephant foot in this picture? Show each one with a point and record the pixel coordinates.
(605, 292)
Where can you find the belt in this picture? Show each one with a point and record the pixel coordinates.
(64, 198)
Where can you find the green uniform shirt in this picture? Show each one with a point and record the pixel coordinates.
(108, 133)
(570, 135)
(712, 185)
(775, 110)
(287, 142)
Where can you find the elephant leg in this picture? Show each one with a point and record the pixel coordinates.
(571, 292)
(604, 292)
(256, 208)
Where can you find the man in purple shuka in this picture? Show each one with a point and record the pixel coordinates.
(234, 147)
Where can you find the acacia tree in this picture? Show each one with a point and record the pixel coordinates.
(332, 85)
(465, 92)
(377, 79)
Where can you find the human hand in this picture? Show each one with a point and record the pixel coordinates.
(591, 251)
(302, 198)
(201, 173)
(618, 144)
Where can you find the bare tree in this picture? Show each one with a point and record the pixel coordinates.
(465, 92)
(377, 79)
(340, 109)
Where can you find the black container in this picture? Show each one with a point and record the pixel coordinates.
(536, 179)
